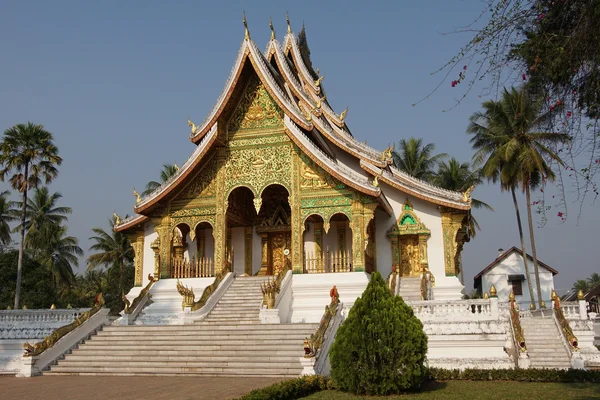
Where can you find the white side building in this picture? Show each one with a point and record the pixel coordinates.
(507, 273)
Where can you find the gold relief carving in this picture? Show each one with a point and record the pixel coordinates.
(276, 138)
(257, 168)
(257, 204)
(256, 109)
(155, 246)
(203, 183)
(137, 243)
(409, 242)
(164, 248)
(297, 220)
(454, 238)
(220, 223)
(190, 212)
(314, 177)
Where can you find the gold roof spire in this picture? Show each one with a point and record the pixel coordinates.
(287, 18)
(246, 33)
(272, 28)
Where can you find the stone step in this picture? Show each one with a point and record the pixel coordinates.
(239, 320)
(296, 346)
(177, 364)
(75, 357)
(200, 326)
(165, 352)
(223, 371)
(269, 336)
(205, 333)
(189, 341)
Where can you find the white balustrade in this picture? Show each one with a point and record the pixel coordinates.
(455, 310)
(570, 309)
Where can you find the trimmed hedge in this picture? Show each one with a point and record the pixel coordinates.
(518, 375)
(301, 387)
(291, 389)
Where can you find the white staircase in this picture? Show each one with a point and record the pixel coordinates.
(229, 342)
(410, 288)
(544, 343)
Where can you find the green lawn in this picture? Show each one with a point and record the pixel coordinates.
(466, 390)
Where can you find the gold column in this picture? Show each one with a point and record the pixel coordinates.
(395, 251)
(297, 223)
(452, 222)
(177, 246)
(137, 243)
(423, 252)
(161, 226)
(220, 228)
(155, 246)
(264, 245)
(248, 251)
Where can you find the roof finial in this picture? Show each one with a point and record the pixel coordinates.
(343, 114)
(287, 18)
(272, 29)
(246, 33)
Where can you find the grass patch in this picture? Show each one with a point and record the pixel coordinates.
(488, 390)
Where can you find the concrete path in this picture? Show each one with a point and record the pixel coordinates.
(128, 388)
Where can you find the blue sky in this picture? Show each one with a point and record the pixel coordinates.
(115, 82)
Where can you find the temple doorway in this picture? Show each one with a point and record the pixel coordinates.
(274, 227)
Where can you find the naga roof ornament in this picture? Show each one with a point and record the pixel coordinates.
(287, 18)
(272, 28)
(246, 33)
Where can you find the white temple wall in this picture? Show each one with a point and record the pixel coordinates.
(237, 244)
(309, 238)
(429, 214)
(513, 265)
(148, 264)
(191, 249)
(209, 243)
(348, 160)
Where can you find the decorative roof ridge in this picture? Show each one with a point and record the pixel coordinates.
(234, 70)
(343, 133)
(356, 180)
(403, 175)
(184, 169)
(267, 71)
(129, 221)
(324, 127)
(418, 188)
(291, 38)
(282, 60)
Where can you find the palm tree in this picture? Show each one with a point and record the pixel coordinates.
(41, 213)
(114, 250)
(59, 253)
(457, 176)
(594, 280)
(582, 285)
(417, 159)
(8, 213)
(165, 174)
(28, 151)
(513, 150)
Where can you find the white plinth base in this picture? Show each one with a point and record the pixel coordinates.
(269, 316)
(449, 289)
(308, 366)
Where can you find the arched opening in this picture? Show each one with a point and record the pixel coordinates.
(370, 249)
(241, 217)
(313, 244)
(337, 244)
(273, 225)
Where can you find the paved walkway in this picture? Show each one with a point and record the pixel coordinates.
(128, 388)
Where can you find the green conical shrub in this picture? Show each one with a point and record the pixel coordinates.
(380, 348)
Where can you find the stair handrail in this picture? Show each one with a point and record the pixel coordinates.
(393, 280)
(516, 329)
(271, 289)
(566, 333)
(427, 284)
(314, 343)
(50, 340)
(285, 283)
(137, 304)
(189, 296)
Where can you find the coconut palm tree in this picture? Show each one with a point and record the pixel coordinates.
(8, 214)
(113, 250)
(457, 176)
(27, 151)
(594, 280)
(417, 159)
(58, 252)
(511, 142)
(42, 213)
(582, 285)
(165, 174)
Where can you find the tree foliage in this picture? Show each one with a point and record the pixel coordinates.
(552, 47)
(417, 159)
(165, 174)
(8, 214)
(380, 348)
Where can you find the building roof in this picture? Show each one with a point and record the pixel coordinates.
(284, 72)
(593, 292)
(503, 256)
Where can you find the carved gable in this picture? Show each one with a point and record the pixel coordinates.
(256, 109)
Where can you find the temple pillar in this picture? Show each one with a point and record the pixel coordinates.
(248, 233)
(450, 287)
(220, 228)
(137, 243)
(155, 246)
(264, 246)
(362, 214)
(161, 226)
(297, 234)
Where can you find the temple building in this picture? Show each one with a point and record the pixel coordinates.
(277, 179)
